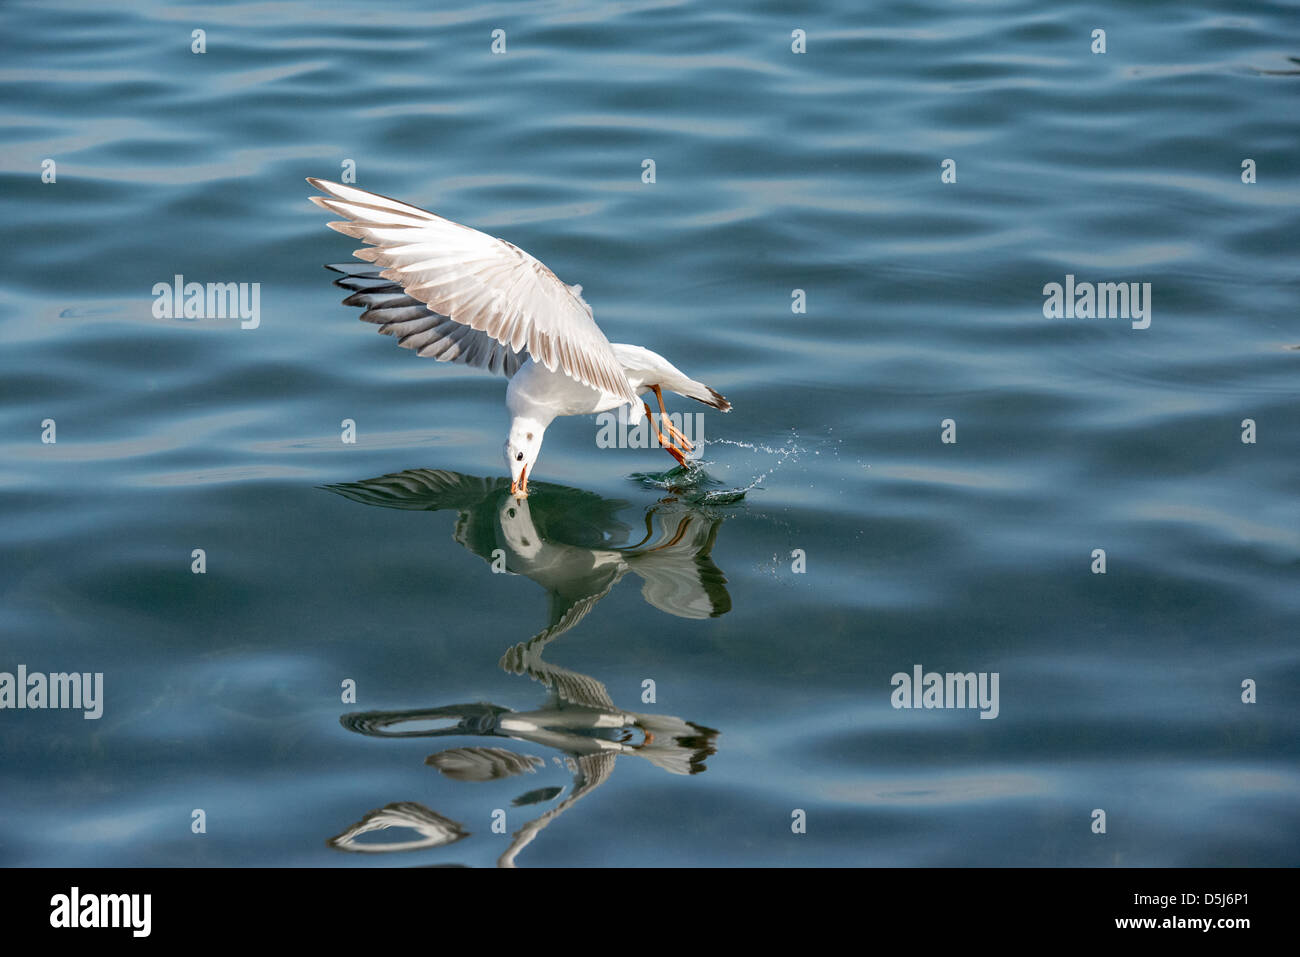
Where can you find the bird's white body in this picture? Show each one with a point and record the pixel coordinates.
(537, 393)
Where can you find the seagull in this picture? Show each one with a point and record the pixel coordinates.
(459, 295)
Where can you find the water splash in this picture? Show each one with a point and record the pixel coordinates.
(693, 483)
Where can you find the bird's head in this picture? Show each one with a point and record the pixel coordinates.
(522, 448)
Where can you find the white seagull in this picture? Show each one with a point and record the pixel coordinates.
(460, 295)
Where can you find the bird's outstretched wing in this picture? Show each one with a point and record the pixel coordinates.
(480, 282)
(416, 326)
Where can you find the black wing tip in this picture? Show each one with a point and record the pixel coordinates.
(355, 270)
(719, 402)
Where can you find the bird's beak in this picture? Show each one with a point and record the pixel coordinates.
(520, 489)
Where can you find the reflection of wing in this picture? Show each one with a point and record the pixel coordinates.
(416, 326)
(565, 614)
(433, 490)
(480, 718)
(435, 829)
(482, 764)
(562, 514)
(579, 689)
(428, 490)
(537, 796)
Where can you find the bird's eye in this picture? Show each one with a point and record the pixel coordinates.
(510, 512)
(519, 456)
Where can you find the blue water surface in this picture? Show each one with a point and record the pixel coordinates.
(642, 665)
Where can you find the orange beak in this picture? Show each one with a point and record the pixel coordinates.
(520, 489)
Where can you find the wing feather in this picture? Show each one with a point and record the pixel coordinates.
(487, 285)
(418, 328)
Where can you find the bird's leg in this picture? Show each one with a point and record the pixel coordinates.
(672, 429)
(663, 439)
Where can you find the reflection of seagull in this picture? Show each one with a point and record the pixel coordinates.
(574, 545)
(434, 829)
(558, 542)
(459, 295)
(592, 733)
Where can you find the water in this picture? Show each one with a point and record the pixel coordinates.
(522, 696)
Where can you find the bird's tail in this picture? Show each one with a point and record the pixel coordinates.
(651, 369)
(703, 393)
